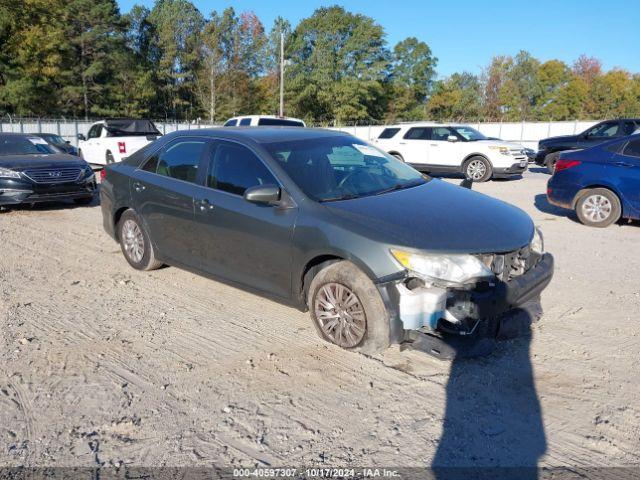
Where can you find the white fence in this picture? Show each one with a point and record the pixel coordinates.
(526, 133)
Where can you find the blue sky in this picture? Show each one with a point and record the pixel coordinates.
(465, 34)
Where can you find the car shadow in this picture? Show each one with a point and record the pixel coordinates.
(461, 176)
(539, 170)
(493, 427)
(48, 206)
(541, 202)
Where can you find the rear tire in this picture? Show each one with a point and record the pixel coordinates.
(135, 243)
(598, 207)
(347, 310)
(550, 162)
(398, 156)
(477, 169)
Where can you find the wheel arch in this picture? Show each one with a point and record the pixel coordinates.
(317, 262)
(117, 215)
(396, 153)
(476, 154)
(584, 190)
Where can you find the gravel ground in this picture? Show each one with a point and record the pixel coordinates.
(104, 365)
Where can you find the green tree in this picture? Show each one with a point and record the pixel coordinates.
(177, 27)
(332, 53)
(412, 73)
(456, 98)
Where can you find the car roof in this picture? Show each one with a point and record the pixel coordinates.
(262, 134)
(17, 134)
(426, 124)
(264, 116)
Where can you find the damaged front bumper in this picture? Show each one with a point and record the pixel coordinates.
(465, 317)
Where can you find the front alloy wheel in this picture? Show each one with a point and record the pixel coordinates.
(477, 169)
(340, 315)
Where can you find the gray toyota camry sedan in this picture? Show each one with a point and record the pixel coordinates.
(375, 251)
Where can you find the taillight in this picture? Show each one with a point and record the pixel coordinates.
(103, 174)
(563, 164)
(122, 148)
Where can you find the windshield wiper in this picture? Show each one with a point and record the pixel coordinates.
(398, 186)
(347, 196)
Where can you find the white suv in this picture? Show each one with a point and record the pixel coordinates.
(263, 121)
(448, 148)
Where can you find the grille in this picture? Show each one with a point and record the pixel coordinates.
(54, 175)
(507, 266)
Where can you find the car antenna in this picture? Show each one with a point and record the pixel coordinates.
(467, 183)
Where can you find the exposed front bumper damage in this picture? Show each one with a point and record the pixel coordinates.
(467, 320)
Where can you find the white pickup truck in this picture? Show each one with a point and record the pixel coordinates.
(110, 141)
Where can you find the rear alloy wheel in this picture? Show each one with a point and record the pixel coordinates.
(347, 310)
(477, 169)
(135, 244)
(598, 208)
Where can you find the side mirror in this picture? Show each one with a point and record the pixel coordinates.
(452, 138)
(264, 194)
(68, 142)
(81, 137)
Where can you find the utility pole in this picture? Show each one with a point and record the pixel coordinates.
(282, 74)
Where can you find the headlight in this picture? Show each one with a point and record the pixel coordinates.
(501, 149)
(6, 173)
(453, 269)
(537, 244)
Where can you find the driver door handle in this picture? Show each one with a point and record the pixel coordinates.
(204, 205)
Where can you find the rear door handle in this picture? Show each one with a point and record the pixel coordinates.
(434, 144)
(623, 164)
(138, 187)
(204, 205)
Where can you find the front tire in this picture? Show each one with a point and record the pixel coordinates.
(347, 310)
(477, 169)
(135, 244)
(598, 207)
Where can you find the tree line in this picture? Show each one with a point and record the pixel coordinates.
(83, 58)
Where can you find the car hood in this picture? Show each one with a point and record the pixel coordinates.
(560, 139)
(437, 217)
(500, 143)
(21, 162)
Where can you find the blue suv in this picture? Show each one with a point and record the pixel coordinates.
(602, 183)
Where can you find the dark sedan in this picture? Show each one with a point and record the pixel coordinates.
(58, 142)
(32, 171)
(377, 252)
(549, 149)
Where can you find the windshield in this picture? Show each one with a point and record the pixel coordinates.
(18, 145)
(339, 168)
(470, 134)
(53, 138)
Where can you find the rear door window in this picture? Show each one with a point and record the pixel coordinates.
(234, 168)
(632, 149)
(388, 133)
(418, 133)
(630, 126)
(245, 122)
(178, 160)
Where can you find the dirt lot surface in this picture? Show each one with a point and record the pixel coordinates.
(104, 365)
